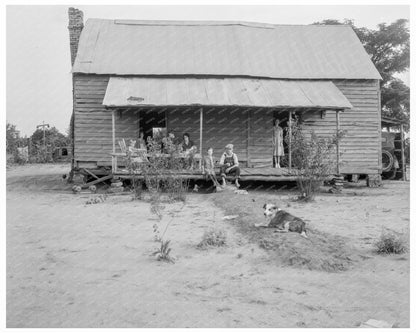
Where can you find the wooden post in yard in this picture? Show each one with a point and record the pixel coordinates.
(114, 157)
(402, 153)
(338, 152)
(290, 141)
(201, 120)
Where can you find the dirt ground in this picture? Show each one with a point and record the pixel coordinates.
(75, 265)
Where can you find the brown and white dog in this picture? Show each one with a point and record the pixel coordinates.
(282, 220)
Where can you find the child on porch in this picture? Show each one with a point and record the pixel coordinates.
(208, 168)
(229, 164)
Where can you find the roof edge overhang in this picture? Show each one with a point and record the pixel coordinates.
(293, 108)
(123, 92)
(222, 75)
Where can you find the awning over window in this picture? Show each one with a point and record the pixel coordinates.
(244, 92)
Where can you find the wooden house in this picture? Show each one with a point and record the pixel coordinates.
(222, 82)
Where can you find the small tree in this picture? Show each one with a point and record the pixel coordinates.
(313, 158)
(16, 146)
(42, 150)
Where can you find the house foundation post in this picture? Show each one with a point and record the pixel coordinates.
(201, 120)
(114, 157)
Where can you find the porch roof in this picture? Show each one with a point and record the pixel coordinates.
(242, 92)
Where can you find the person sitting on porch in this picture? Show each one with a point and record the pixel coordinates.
(189, 150)
(208, 168)
(141, 142)
(169, 143)
(229, 164)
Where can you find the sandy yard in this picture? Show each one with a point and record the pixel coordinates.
(75, 265)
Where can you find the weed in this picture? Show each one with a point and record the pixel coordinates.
(213, 237)
(163, 253)
(391, 242)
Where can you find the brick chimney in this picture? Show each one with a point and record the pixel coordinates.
(76, 23)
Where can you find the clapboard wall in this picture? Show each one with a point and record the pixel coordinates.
(360, 148)
(92, 122)
(250, 130)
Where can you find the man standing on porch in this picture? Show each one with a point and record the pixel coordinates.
(229, 164)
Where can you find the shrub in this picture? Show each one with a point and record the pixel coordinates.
(161, 172)
(391, 242)
(312, 157)
(213, 237)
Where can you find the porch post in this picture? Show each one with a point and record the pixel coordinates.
(201, 119)
(290, 141)
(338, 153)
(402, 152)
(114, 158)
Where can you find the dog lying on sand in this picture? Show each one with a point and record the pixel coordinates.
(282, 220)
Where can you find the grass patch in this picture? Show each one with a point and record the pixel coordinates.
(391, 242)
(213, 237)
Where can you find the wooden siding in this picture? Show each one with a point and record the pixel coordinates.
(249, 130)
(220, 127)
(93, 134)
(361, 147)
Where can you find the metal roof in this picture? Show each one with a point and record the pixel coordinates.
(151, 91)
(124, 47)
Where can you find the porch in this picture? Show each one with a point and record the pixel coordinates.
(220, 111)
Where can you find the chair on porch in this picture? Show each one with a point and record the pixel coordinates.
(123, 146)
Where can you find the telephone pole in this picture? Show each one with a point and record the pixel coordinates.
(44, 126)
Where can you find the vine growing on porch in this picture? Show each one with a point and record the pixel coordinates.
(313, 158)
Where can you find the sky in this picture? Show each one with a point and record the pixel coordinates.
(38, 65)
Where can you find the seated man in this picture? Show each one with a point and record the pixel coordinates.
(169, 143)
(229, 164)
(208, 168)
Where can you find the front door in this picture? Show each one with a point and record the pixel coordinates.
(153, 123)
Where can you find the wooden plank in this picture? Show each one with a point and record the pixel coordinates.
(90, 173)
(99, 180)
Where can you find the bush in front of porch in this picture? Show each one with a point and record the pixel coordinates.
(313, 158)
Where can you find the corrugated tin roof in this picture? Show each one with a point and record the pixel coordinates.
(248, 92)
(223, 49)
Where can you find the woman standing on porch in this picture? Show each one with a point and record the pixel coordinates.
(278, 149)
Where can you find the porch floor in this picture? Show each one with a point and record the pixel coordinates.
(261, 174)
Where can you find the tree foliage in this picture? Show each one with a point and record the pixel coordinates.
(389, 49)
(41, 150)
(52, 137)
(12, 138)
